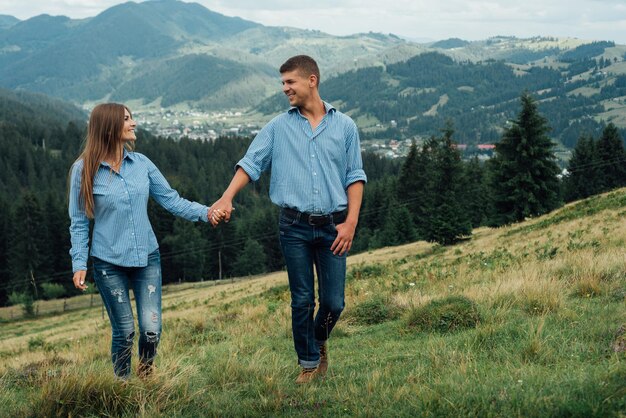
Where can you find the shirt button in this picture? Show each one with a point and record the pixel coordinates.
(314, 173)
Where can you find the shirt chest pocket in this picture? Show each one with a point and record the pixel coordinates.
(107, 192)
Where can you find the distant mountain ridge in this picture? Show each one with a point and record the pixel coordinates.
(7, 21)
(125, 49)
(169, 53)
(37, 106)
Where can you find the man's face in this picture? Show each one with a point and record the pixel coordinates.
(297, 87)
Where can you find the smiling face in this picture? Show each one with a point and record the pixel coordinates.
(297, 87)
(128, 133)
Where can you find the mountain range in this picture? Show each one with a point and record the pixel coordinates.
(167, 53)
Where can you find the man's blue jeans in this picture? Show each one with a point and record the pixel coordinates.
(114, 283)
(305, 246)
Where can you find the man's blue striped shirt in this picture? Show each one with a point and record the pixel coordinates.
(311, 170)
(122, 234)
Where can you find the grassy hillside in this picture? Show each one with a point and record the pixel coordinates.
(526, 320)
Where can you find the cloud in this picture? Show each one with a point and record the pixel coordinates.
(72, 8)
(468, 19)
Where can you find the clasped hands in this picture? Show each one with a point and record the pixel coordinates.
(220, 211)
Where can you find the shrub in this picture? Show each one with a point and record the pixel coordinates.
(52, 290)
(366, 272)
(539, 302)
(375, 311)
(36, 343)
(16, 298)
(26, 300)
(587, 288)
(450, 314)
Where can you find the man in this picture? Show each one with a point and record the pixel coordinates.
(317, 180)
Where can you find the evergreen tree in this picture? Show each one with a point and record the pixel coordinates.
(4, 245)
(59, 245)
(362, 240)
(611, 159)
(375, 198)
(448, 221)
(188, 251)
(224, 248)
(409, 181)
(28, 253)
(582, 180)
(524, 171)
(476, 193)
(398, 226)
(251, 260)
(259, 222)
(415, 186)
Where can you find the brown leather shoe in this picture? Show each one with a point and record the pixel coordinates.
(306, 375)
(323, 366)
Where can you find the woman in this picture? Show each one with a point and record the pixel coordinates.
(110, 184)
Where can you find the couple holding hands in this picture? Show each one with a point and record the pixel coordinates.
(317, 181)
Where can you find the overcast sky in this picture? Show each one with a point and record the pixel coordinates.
(414, 19)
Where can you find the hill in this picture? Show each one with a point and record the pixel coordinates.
(525, 320)
(124, 49)
(415, 98)
(177, 55)
(21, 108)
(7, 21)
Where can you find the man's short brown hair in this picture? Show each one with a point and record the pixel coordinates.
(303, 64)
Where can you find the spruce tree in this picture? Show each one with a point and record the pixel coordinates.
(524, 171)
(59, 242)
(251, 260)
(415, 185)
(397, 227)
(29, 261)
(4, 245)
(611, 159)
(476, 199)
(188, 251)
(448, 221)
(375, 202)
(582, 179)
(259, 223)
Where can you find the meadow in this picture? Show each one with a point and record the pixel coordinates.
(525, 320)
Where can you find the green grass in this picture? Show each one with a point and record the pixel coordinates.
(519, 321)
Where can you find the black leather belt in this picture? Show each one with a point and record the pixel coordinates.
(317, 219)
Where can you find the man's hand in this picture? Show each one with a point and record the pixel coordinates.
(79, 280)
(220, 211)
(343, 241)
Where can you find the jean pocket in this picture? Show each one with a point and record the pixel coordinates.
(286, 220)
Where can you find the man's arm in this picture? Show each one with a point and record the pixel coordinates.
(224, 206)
(345, 231)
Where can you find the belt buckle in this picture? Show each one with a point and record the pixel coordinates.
(318, 220)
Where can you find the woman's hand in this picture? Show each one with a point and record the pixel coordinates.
(220, 211)
(79, 280)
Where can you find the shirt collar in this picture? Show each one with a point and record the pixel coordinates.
(129, 155)
(327, 106)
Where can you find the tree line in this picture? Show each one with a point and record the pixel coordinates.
(432, 194)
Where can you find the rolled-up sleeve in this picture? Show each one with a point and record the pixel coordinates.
(354, 167)
(169, 198)
(258, 158)
(79, 223)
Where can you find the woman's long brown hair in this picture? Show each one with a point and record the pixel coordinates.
(104, 136)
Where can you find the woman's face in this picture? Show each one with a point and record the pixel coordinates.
(128, 134)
